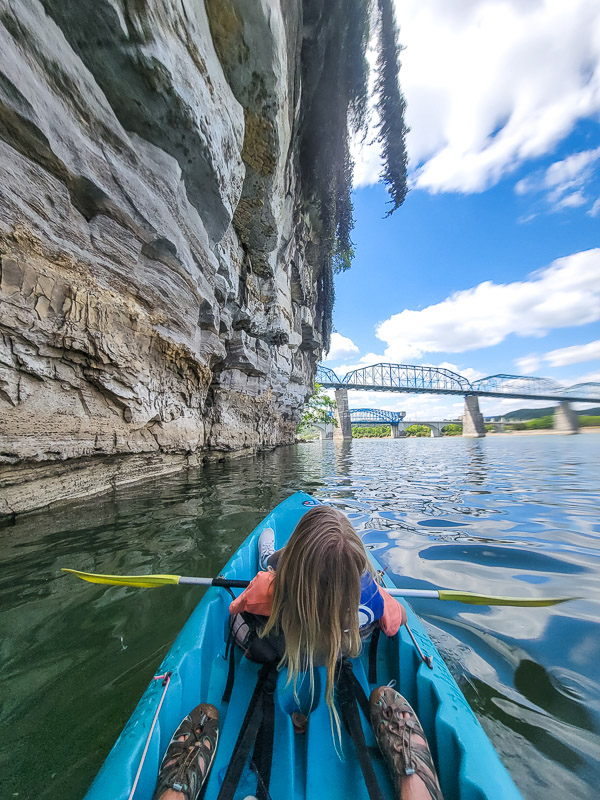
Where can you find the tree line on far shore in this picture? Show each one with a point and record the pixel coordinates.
(453, 429)
(374, 432)
(547, 422)
(382, 431)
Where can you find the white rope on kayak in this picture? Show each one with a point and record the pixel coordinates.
(166, 679)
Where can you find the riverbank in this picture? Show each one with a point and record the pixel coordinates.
(34, 487)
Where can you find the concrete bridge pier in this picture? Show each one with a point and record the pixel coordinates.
(325, 429)
(473, 424)
(343, 430)
(396, 433)
(565, 419)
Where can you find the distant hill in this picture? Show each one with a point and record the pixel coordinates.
(534, 413)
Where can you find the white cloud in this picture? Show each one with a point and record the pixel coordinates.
(341, 347)
(563, 183)
(526, 218)
(564, 294)
(562, 357)
(573, 355)
(364, 361)
(490, 84)
(469, 373)
(573, 200)
(569, 171)
(565, 174)
(528, 365)
(590, 377)
(595, 209)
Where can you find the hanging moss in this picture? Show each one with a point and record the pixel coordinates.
(335, 82)
(391, 107)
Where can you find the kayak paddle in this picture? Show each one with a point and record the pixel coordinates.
(153, 581)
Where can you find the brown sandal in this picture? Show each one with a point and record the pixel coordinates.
(190, 754)
(395, 737)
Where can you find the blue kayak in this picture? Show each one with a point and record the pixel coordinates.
(304, 765)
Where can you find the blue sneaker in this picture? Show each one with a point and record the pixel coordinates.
(266, 547)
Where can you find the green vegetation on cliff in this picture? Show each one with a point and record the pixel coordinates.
(319, 409)
(336, 97)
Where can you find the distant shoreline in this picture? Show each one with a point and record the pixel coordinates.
(540, 432)
(595, 429)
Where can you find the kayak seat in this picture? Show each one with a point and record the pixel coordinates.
(303, 765)
(328, 775)
(232, 714)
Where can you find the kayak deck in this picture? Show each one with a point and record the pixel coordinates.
(304, 765)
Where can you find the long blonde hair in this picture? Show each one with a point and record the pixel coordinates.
(316, 594)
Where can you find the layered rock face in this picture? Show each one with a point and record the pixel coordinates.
(158, 265)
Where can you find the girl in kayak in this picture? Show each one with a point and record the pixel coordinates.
(312, 604)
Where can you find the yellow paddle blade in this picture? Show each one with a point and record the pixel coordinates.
(141, 581)
(491, 600)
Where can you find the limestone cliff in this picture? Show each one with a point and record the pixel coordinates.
(159, 279)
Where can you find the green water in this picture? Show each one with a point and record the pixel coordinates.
(504, 515)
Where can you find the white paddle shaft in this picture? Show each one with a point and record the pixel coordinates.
(433, 593)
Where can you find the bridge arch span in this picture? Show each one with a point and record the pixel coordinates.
(366, 416)
(522, 384)
(438, 380)
(405, 377)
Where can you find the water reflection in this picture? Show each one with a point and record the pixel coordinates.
(504, 516)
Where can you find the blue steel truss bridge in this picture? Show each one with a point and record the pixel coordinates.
(436, 380)
(370, 416)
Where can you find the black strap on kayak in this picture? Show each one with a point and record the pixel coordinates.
(258, 729)
(350, 695)
(263, 749)
(373, 655)
(231, 671)
(229, 652)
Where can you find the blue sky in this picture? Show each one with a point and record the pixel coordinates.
(493, 263)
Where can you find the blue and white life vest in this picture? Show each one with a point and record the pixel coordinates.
(371, 601)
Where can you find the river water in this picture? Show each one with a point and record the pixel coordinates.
(514, 515)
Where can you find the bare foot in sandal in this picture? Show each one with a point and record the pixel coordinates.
(402, 741)
(189, 756)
